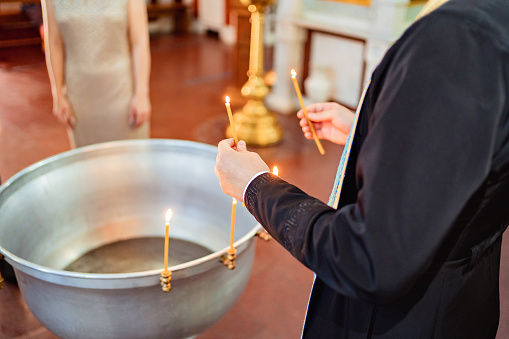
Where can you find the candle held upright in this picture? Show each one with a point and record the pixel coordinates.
(230, 117)
(310, 124)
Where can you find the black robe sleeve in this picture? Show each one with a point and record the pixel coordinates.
(431, 138)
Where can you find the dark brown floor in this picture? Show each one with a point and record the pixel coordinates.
(190, 77)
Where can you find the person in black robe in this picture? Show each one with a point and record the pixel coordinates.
(413, 249)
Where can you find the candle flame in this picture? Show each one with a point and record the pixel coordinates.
(227, 99)
(234, 201)
(169, 213)
(294, 74)
(275, 170)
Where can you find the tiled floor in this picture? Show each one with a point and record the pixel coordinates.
(190, 77)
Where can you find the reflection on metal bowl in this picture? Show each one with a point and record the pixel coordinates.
(80, 204)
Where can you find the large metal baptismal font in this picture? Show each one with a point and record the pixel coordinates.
(84, 231)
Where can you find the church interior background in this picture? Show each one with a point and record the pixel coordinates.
(200, 53)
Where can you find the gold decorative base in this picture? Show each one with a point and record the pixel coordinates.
(256, 125)
(229, 259)
(166, 281)
(264, 235)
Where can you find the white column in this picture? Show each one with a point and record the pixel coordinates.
(288, 54)
(390, 19)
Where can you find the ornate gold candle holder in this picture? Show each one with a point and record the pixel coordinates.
(264, 235)
(229, 258)
(166, 281)
(255, 124)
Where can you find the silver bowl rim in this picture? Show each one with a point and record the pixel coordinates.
(109, 145)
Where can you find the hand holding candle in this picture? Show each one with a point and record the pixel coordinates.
(299, 95)
(230, 116)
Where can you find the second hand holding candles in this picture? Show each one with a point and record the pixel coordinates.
(299, 95)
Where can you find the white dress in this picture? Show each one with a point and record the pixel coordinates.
(98, 69)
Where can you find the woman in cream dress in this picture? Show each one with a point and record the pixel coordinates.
(98, 59)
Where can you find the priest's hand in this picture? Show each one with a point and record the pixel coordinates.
(330, 120)
(235, 166)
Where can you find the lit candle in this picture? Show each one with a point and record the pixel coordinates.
(230, 116)
(299, 95)
(275, 170)
(167, 240)
(232, 230)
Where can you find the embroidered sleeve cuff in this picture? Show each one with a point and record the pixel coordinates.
(254, 186)
(250, 181)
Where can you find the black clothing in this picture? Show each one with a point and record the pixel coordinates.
(413, 250)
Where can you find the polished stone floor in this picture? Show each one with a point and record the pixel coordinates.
(190, 77)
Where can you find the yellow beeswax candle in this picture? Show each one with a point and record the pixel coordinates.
(167, 239)
(232, 230)
(299, 95)
(230, 116)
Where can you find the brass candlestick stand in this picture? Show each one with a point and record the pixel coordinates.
(229, 258)
(166, 281)
(255, 124)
